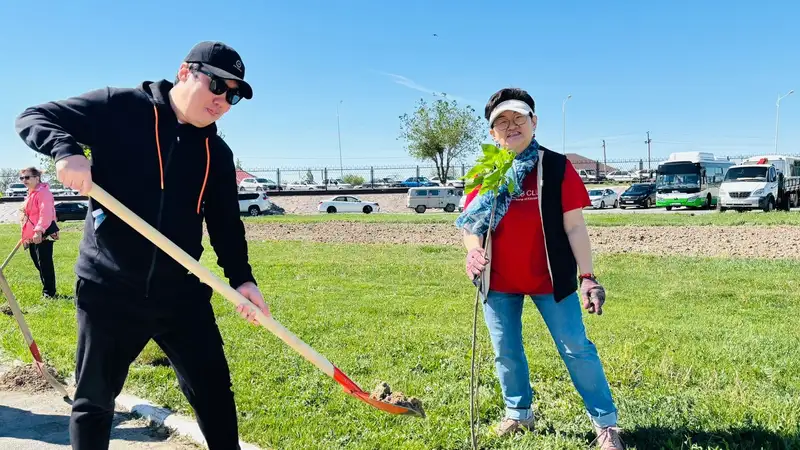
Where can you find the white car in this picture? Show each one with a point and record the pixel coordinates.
(451, 183)
(336, 184)
(304, 186)
(620, 176)
(16, 190)
(254, 203)
(257, 184)
(601, 198)
(347, 203)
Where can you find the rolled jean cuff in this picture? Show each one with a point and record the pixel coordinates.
(606, 420)
(519, 414)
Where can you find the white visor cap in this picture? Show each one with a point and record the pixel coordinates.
(510, 105)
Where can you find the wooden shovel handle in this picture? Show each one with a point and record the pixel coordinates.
(208, 277)
(11, 255)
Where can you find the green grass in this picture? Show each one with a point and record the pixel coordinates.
(700, 353)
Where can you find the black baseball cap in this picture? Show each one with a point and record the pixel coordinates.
(222, 61)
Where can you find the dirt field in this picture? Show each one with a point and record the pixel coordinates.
(740, 241)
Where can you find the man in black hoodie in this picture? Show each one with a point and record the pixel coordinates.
(155, 148)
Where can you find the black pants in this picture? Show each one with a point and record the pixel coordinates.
(113, 328)
(42, 257)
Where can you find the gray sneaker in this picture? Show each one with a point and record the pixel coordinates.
(511, 426)
(608, 439)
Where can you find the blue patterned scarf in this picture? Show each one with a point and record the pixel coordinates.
(475, 218)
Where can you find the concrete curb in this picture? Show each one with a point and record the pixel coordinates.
(181, 425)
(178, 424)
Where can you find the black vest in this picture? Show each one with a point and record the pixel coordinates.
(563, 268)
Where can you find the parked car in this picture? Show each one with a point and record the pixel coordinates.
(71, 211)
(258, 184)
(16, 190)
(449, 182)
(63, 192)
(304, 186)
(422, 198)
(639, 194)
(254, 203)
(620, 176)
(347, 203)
(417, 182)
(379, 183)
(601, 198)
(587, 175)
(336, 184)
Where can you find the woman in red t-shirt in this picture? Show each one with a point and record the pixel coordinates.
(538, 239)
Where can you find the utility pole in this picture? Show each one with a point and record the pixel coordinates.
(605, 166)
(339, 132)
(648, 141)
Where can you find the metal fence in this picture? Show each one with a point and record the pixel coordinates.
(374, 174)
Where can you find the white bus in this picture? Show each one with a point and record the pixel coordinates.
(690, 179)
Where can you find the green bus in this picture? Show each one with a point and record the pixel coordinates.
(690, 179)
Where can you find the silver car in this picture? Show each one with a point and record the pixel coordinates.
(602, 198)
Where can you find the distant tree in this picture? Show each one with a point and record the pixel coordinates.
(442, 132)
(7, 176)
(239, 164)
(309, 177)
(355, 180)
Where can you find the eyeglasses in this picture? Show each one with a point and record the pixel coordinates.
(502, 123)
(26, 177)
(218, 86)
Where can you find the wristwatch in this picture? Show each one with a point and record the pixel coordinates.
(589, 276)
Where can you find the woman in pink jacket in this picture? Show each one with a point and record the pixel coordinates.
(39, 229)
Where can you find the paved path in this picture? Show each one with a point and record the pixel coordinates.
(41, 421)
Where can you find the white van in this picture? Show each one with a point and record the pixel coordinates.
(421, 198)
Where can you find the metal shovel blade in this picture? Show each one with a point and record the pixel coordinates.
(353, 389)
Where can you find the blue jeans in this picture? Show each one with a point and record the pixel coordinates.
(503, 314)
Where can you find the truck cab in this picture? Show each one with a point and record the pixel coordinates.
(750, 185)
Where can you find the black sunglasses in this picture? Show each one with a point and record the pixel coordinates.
(218, 86)
(25, 177)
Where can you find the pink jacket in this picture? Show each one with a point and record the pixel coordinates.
(40, 211)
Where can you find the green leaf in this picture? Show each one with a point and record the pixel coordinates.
(491, 167)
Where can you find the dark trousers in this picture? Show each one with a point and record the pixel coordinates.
(42, 257)
(113, 328)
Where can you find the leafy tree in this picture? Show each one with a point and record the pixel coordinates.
(309, 177)
(7, 176)
(442, 132)
(353, 179)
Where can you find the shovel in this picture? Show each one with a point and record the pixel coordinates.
(26, 332)
(232, 295)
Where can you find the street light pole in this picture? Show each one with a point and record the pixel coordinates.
(339, 133)
(564, 124)
(778, 115)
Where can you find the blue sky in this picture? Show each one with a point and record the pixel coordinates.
(698, 77)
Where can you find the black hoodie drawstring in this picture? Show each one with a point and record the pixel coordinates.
(161, 164)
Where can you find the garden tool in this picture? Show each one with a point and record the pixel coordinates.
(26, 332)
(481, 290)
(232, 295)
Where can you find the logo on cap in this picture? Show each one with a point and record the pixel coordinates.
(238, 65)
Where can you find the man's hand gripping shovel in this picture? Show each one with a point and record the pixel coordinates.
(26, 332)
(223, 288)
